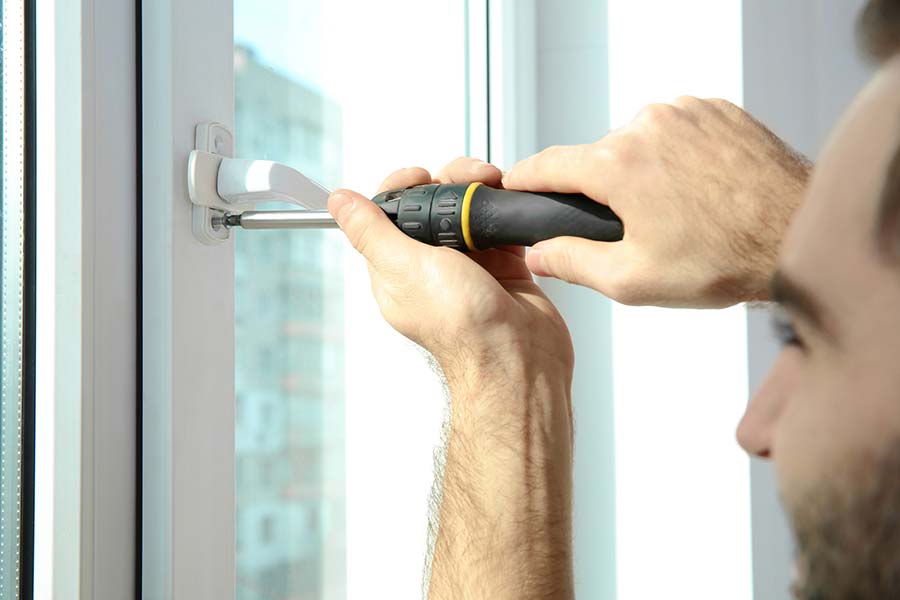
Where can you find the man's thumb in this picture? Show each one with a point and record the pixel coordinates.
(368, 229)
(571, 259)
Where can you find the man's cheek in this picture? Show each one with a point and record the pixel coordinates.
(819, 431)
(805, 443)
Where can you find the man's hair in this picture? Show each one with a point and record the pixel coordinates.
(878, 29)
(878, 33)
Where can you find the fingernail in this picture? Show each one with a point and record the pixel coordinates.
(537, 261)
(340, 204)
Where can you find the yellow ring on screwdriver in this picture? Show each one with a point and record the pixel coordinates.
(467, 204)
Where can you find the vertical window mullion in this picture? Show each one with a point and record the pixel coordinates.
(26, 543)
(17, 259)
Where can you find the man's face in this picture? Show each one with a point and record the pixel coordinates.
(829, 412)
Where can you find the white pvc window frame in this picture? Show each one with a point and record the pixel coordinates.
(188, 501)
(188, 313)
(86, 363)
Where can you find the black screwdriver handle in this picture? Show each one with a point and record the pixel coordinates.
(478, 217)
(505, 217)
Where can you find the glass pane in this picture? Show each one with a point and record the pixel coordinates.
(11, 281)
(335, 90)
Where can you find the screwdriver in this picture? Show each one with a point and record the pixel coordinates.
(467, 217)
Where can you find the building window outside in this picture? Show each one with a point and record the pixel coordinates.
(288, 355)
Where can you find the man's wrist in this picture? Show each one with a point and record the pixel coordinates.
(514, 449)
(506, 515)
(507, 355)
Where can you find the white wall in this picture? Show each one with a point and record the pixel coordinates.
(801, 69)
(661, 486)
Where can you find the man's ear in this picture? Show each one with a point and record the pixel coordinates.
(889, 234)
(888, 227)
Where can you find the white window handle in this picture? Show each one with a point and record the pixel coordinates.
(244, 181)
(224, 190)
(234, 184)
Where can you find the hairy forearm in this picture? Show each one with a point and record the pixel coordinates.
(505, 518)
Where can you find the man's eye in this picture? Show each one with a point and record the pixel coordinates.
(784, 328)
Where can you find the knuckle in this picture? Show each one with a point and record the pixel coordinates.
(458, 164)
(358, 232)
(420, 173)
(658, 116)
(550, 152)
(405, 178)
(689, 103)
(547, 160)
(724, 106)
(623, 148)
(415, 176)
(609, 152)
(561, 263)
(361, 240)
(691, 108)
(721, 103)
(389, 182)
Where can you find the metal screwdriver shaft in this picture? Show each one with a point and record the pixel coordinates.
(281, 219)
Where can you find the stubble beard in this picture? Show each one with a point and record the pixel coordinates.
(848, 532)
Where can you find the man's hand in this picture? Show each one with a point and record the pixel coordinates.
(483, 306)
(505, 517)
(704, 190)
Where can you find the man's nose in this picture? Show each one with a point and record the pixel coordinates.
(757, 427)
(753, 434)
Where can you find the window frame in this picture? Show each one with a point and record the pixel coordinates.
(188, 498)
(534, 105)
(188, 291)
(86, 310)
(18, 127)
(27, 523)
